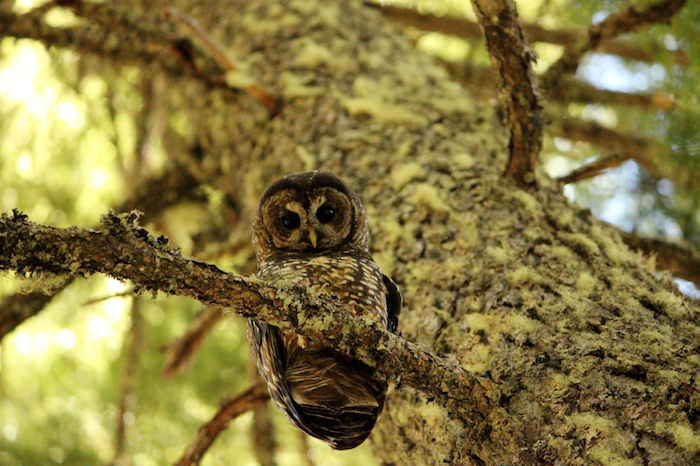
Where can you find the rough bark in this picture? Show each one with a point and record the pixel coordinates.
(595, 357)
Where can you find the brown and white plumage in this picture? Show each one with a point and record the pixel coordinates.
(311, 230)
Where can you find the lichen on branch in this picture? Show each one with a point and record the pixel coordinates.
(126, 251)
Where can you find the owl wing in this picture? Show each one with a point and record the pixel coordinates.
(270, 357)
(394, 303)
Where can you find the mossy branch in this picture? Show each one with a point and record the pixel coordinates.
(153, 195)
(124, 33)
(468, 29)
(126, 251)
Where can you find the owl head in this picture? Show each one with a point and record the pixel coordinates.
(308, 213)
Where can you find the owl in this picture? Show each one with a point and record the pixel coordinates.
(311, 230)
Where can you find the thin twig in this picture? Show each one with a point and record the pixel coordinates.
(612, 26)
(121, 294)
(653, 154)
(253, 398)
(193, 28)
(593, 169)
(131, 365)
(511, 57)
(150, 40)
(263, 436)
(181, 350)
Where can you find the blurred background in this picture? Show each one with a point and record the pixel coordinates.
(79, 134)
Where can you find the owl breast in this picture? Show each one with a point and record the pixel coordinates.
(357, 282)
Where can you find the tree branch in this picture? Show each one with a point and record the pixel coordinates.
(462, 27)
(614, 25)
(651, 153)
(180, 351)
(153, 196)
(126, 251)
(511, 57)
(594, 168)
(482, 80)
(575, 90)
(253, 398)
(682, 260)
(128, 382)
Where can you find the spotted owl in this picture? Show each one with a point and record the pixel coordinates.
(311, 230)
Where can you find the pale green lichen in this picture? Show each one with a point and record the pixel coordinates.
(310, 161)
(468, 232)
(385, 260)
(683, 435)
(294, 86)
(611, 442)
(605, 453)
(429, 196)
(617, 252)
(401, 175)
(424, 270)
(500, 254)
(311, 55)
(565, 218)
(46, 283)
(673, 377)
(391, 230)
(586, 283)
(621, 278)
(514, 323)
(654, 337)
(524, 274)
(382, 111)
(686, 438)
(238, 80)
(481, 322)
(580, 240)
(477, 359)
(558, 384)
(528, 201)
(672, 304)
(454, 264)
(403, 149)
(564, 253)
(261, 26)
(464, 160)
(508, 324)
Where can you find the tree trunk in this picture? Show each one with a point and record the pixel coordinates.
(595, 355)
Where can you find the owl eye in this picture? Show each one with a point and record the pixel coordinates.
(325, 214)
(291, 221)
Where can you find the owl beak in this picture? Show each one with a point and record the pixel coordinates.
(312, 237)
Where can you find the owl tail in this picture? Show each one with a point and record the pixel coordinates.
(335, 400)
(341, 428)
